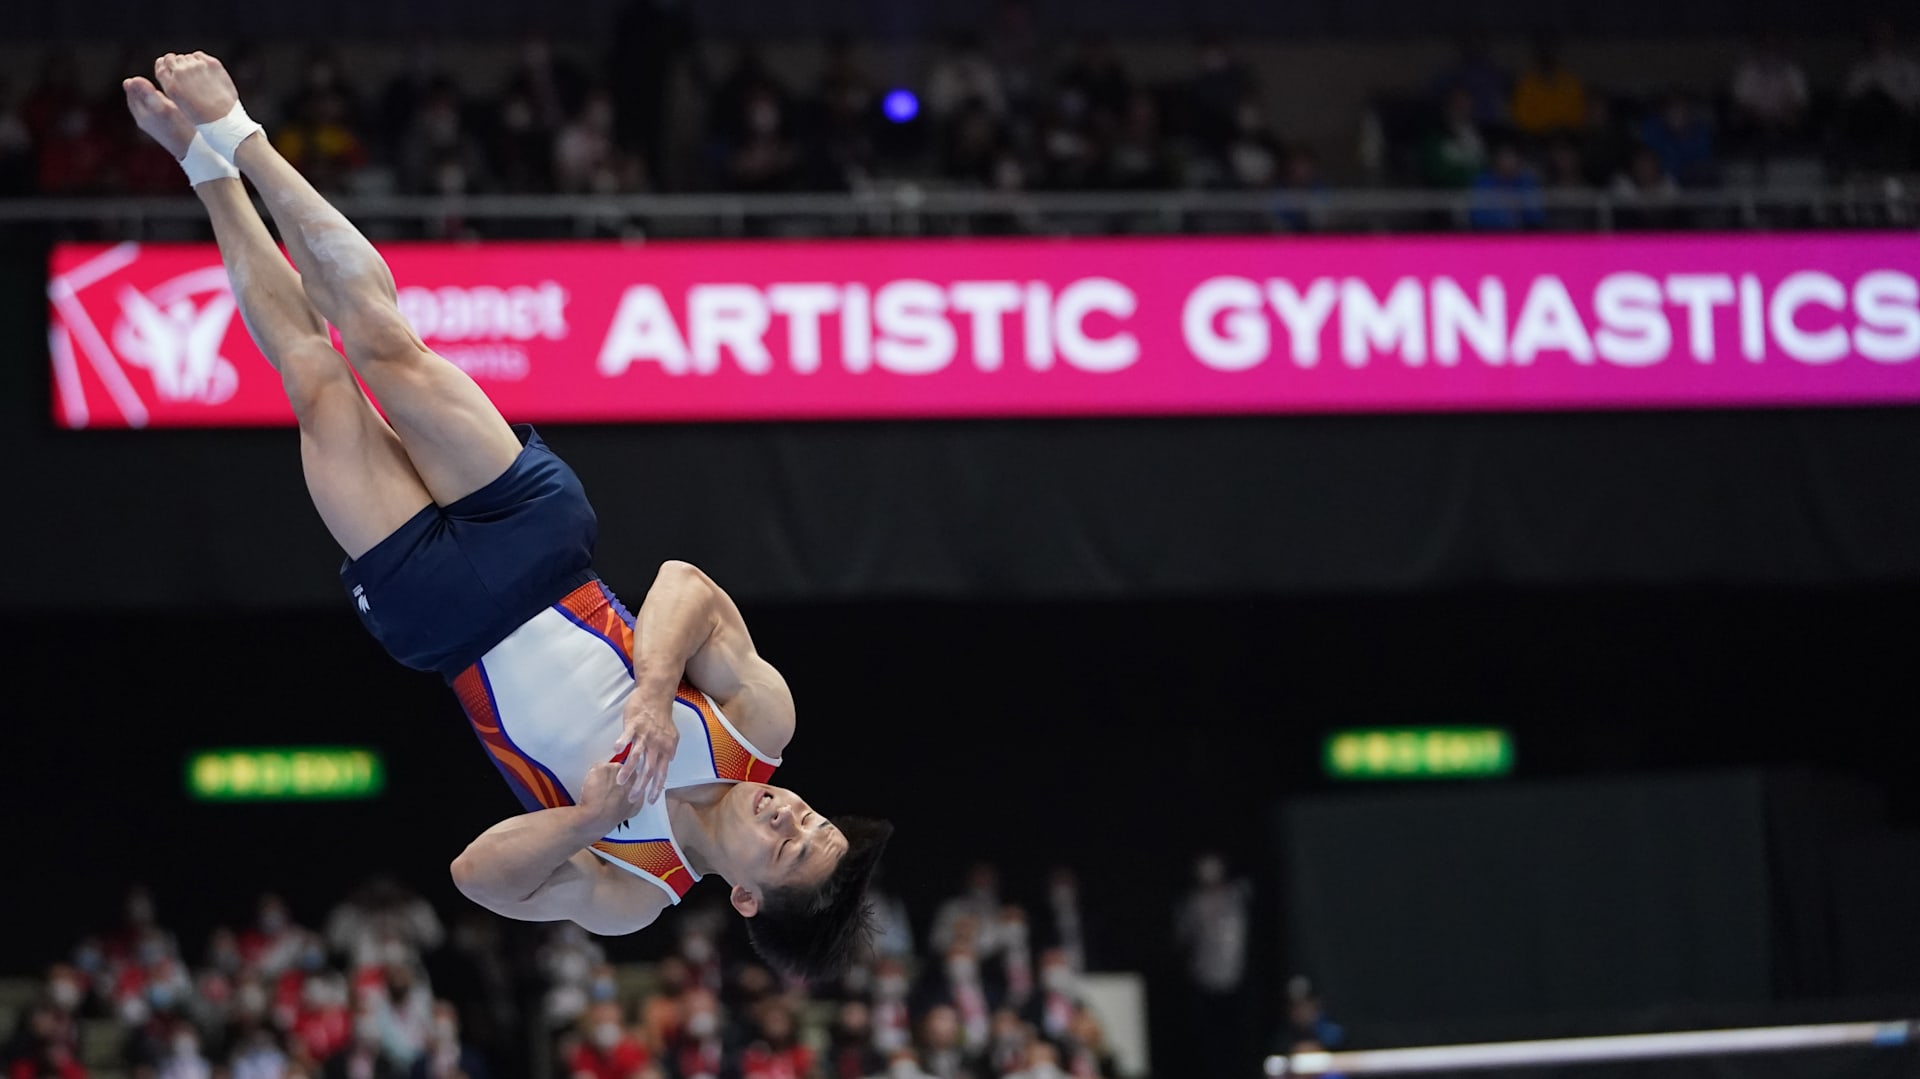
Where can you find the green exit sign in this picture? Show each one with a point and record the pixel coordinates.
(285, 774)
(1418, 753)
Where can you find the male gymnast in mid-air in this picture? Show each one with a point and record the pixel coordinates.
(640, 745)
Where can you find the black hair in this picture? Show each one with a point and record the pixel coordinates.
(815, 932)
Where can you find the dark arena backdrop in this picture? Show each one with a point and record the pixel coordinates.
(1107, 643)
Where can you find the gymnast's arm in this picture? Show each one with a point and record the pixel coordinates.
(535, 867)
(688, 627)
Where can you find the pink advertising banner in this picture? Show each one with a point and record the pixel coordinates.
(590, 332)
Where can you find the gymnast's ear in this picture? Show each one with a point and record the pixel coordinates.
(744, 901)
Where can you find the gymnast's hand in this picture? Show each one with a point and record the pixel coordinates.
(605, 798)
(649, 739)
(198, 83)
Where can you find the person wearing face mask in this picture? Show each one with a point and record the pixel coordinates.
(1057, 998)
(606, 1049)
(978, 904)
(958, 982)
(702, 1044)
(324, 1024)
(892, 1019)
(363, 1057)
(447, 1056)
(850, 1050)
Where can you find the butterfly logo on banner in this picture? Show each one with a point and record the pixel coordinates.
(174, 332)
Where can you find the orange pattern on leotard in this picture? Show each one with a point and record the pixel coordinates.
(731, 760)
(654, 857)
(471, 688)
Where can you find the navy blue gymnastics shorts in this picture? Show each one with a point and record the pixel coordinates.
(455, 580)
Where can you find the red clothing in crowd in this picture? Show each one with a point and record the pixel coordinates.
(626, 1057)
(762, 1062)
(323, 1031)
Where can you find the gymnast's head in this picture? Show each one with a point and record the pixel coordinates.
(799, 879)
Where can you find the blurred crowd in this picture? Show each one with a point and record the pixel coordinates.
(993, 992)
(384, 990)
(1004, 110)
(272, 999)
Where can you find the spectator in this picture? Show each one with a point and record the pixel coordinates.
(379, 911)
(1051, 1011)
(52, 95)
(363, 1057)
(1087, 1052)
(1886, 71)
(1007, 1046)
(324, 1024)
(400, 997)
(701, 1048)
(1456, 150)
(1254, 154)
(1140, 157)
(851, 1049)
(607, 1049)
(1548, 98)
(1211, 929)
(321, 142)
(183, 1059)
(1681, 136)
(905, 1064)
(1308, 1029)
(1043, 1062)
(776, 1052)
(766, 157)
(1300, 182)
(440, 155)
(963, 74)
(943, 1052)
(1067, 926)
(892, 1019)
(1506, 195)
(522, 145)
(255, 1055)
(1221, 83)
(1016, 956)
(1015, 48)
(583, 151)
(1096, 74)
(556, 87)
(1487, 86)
(1882, 110)
(1645, 191)
(272, 945)
(959, 984)
(979, 903)
(1769, 90)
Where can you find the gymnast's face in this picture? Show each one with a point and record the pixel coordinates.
(771, 839)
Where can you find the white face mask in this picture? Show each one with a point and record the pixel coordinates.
(697, 950)
(66, 994)
(606, 1035)
(703, 1024)
(890, 986)
(1057, 979)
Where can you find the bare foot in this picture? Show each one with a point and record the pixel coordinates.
(198, 83)
(158, 116)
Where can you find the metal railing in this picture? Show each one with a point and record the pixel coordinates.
(905, 209)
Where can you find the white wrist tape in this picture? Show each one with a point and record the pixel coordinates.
(228, 132)
(203, 164)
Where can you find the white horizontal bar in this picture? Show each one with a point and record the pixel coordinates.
(1585, 1050)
